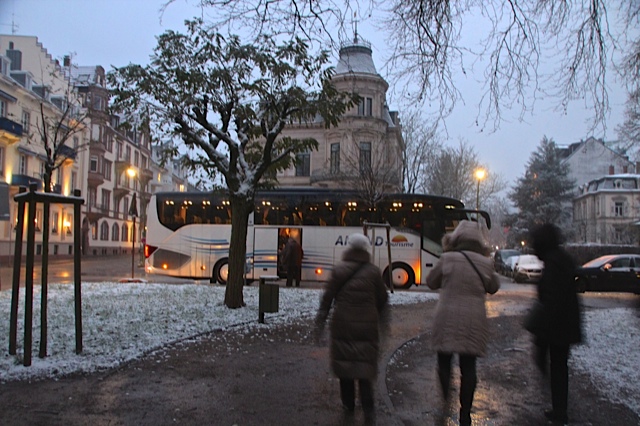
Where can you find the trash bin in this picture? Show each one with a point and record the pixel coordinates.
(268, 296)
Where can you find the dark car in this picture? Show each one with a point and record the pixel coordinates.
(500, 259)
(613, 272)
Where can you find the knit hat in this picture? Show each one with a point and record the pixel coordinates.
(358, 241)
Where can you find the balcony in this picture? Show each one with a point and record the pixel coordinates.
(95, 213)
(10, 131)
(94, 179)
(97, 148)
(119, 192)
(26, 180)
(68, 153)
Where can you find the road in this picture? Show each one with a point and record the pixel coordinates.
(116, 268)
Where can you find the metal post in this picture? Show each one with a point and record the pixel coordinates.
(15, 290)
(28, 282)
(77, 271)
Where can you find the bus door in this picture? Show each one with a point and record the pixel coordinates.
(265, 251)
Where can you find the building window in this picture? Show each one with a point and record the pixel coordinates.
(38, 220)
(119, 150)
(74, 181)
(93, 164)
(26, 122)
(115, 232)
(106, 200)
(365, 157)
(127, 156)
(76, 142)
(104, 231)
(94, 231)
(93, 197)
(618, 209)
(125, 232)
(303, 164)
(136, 158)
(1, 161)
(3, 108)
(365, 107)
(335, 158)
(55, 223)
(23, 164)
(106, 169)
(68, 224)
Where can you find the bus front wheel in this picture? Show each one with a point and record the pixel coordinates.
(402, 275)
(221, 271)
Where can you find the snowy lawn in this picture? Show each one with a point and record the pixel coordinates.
(122, 322)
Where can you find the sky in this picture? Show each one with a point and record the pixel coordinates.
(119, 32)
(122, 322)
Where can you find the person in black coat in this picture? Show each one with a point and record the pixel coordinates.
(561, 319)
(292, 255)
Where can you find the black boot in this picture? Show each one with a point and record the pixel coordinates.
(465, 418)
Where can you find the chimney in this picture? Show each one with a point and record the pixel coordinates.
(67, 61)
(15, 56)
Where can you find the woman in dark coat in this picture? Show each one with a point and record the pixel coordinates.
(464, 275)
(561, 321)
(359, 300)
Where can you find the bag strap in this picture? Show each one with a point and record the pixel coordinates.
(353, 274)
(474, 267)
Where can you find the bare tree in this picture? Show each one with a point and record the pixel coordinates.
(451, 174)
(421, 145)
(373, 170)
(514, 38)
(57, 131)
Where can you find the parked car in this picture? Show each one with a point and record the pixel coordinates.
(613, 272)
(509, 266)
(528, 268)
(500, 258)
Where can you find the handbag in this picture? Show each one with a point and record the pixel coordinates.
(535, 320)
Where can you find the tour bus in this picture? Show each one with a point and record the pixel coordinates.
(188, 233)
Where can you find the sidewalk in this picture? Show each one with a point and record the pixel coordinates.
(261, 375)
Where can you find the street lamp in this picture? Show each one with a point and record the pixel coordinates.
(480, 174)
(133, 212)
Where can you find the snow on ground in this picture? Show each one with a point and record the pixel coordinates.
(122, 322)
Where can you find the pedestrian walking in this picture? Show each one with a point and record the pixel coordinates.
(292, 257)
(464, 274)
(359, 299)
(559, 323)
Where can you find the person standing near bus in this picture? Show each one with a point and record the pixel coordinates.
(292, 256)
(464, 274)
(359, 299)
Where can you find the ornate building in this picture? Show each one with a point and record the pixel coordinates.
(366, 145)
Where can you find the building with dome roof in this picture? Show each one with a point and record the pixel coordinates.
(366, 145)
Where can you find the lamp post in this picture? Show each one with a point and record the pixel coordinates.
(480, 174)
(133, 212)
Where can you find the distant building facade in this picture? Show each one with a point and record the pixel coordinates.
(113, 158)
(33, 87)
(607, 210)
(368, 135)
(593, 158)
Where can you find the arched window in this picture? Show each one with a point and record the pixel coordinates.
(115, 232)
(104, 231)
(124, 235)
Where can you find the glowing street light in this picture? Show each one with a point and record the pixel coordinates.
(479, 174)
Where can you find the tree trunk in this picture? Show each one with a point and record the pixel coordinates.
(240, 210)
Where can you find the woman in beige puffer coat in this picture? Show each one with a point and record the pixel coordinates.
(460, 320)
